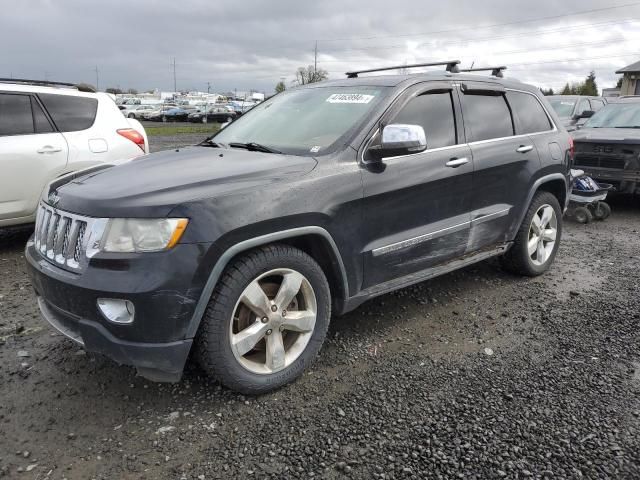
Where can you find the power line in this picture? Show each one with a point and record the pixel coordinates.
(515, 22)
(493, 37)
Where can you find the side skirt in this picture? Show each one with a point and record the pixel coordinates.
(402, 282)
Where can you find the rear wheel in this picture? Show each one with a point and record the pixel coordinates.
(132, 115)
(602, 211)
(538, 238)
(582, 215)
(266, 320)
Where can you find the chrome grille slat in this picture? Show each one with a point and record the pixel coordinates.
(61, 237)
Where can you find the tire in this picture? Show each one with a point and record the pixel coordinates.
(582, 215)
(250, 372)
(602, 211)
(131, 115)
(520, 258)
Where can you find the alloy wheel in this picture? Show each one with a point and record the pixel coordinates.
(273, 321)
(542, 235)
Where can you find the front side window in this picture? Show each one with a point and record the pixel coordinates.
(596, 104)
(70, 113)
(486, 116)
(306, 121)
(583, 106)
(15, 115)
(434, 113)
(530, 115)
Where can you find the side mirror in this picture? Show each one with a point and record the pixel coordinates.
(585, 114)
(400, 139)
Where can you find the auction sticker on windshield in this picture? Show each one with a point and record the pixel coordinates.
(350, 98)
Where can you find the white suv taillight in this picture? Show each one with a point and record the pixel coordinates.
(133, 135)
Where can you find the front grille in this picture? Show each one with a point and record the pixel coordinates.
(60, 237)
(616, 163)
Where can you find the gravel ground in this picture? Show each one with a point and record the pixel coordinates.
(476, 374)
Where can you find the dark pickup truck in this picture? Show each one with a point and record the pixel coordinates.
(607, 147)
(318, 199)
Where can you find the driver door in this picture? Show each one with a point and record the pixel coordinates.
(417, 206)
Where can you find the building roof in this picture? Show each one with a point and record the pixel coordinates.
(633, 68)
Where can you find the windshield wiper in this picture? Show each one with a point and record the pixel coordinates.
(629, 126)
(253, 147)
(208, 142)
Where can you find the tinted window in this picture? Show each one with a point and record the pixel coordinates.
(528, 112)
(15, 115)
(70, 113)
(487, 116)
(40, 120)
(434, 112)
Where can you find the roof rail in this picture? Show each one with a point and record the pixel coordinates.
(45, 83)
(452, 66)
(495, 71)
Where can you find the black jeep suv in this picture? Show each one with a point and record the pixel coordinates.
(315, 201)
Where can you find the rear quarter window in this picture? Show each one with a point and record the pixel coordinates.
(528, 113)
(70, 113)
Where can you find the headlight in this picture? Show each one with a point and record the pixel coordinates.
(142, 234)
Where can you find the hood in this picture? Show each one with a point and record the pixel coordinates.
(152, 185)
(607, 135)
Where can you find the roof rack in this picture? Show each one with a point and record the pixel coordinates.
(495, 71)
(45, 83)
(452, 66)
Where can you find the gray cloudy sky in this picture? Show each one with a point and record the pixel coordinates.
(247, 44)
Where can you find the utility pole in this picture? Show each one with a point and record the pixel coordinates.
(315, 60)
(175, 88)
(208, 87)
(97, 80)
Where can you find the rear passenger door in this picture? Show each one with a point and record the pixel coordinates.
(504, 163)
(32, 153)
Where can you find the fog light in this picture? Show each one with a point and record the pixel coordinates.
(117, 310)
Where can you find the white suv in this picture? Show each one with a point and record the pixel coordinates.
(48, 130)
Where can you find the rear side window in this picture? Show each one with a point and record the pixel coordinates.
(434, 112)
(15, 115)
(70, 113)
(529, 115)
(487, 116)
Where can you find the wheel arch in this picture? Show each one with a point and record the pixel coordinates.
(313, 240)
(555, 183)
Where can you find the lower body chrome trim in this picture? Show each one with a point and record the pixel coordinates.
(376, 252)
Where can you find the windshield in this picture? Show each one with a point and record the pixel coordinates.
(616, 115)
(308, 121)
(562, 106)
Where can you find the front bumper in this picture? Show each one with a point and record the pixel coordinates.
(164, 288)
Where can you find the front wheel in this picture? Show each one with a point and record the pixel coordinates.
(538, 238)
(266, 320)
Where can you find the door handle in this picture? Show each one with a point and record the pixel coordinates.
(524, 148)
(456, 162)
(48, 149)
